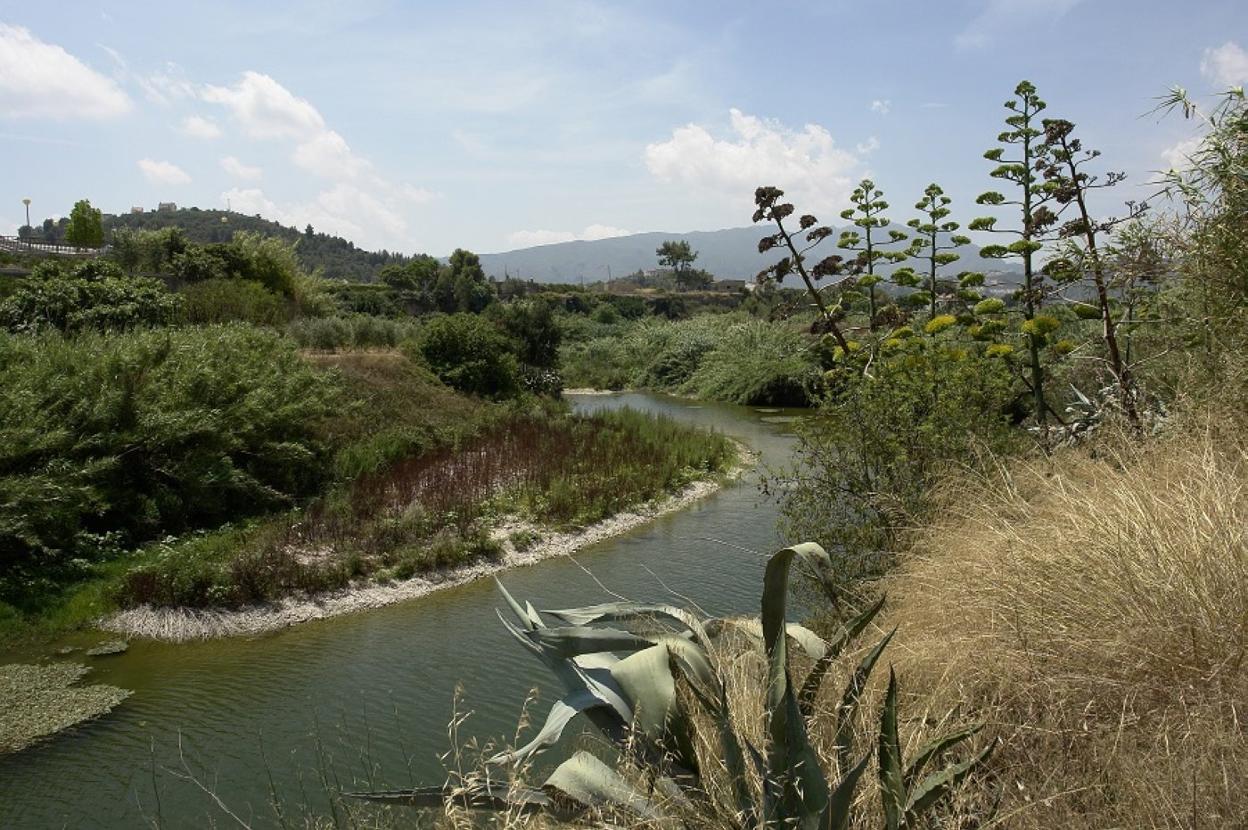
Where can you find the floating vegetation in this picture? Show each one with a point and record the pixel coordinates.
(107, 648)
(43, 700)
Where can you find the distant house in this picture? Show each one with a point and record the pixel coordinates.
(167, 207)
(136, 209)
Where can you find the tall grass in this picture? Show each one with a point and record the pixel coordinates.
(1096, 610)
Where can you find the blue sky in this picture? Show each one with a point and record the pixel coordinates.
(423, 127)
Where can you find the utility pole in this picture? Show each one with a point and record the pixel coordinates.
(30, 232)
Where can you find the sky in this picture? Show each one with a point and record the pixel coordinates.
(422, 127)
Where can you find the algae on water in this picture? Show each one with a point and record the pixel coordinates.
(42, 700)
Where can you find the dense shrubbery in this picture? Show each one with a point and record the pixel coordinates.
(111, 439)
(219, 300)
(88, 295)
(721, 357)
(470, 354)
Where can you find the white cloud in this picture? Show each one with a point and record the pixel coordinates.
(344, 210)
(166, 86)
(42, 80)
(238, 170)
(266, 109)
(327, 155)
(1178, 157)
(1225, 65)
(881, 106)
(530, 239)
(806, 163)
(195, 126)
(163, 172)
(1008, 17)
(866, 148)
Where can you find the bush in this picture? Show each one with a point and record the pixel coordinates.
(755, 362)
(867, 461)
(92, 295)
(469, 354)
(226, 300)
(112, 439)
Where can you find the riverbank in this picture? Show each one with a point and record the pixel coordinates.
(190, 624)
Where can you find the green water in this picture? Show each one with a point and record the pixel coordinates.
(367, 697)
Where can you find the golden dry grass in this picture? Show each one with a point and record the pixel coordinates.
(1093, 608)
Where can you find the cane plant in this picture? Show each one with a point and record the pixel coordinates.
(631, 684)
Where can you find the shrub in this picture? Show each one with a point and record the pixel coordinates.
(91, 295)
(226, 300)
(326, 333)
(112, 439)
(469, 354)
(755, 362)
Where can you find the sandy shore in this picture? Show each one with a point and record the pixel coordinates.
(186, 624)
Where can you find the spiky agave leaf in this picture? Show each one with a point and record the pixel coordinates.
(849, 701)
(833, 649)
(795, 790)
(932, 749)
(591, 784)
(621, 611)
(939, 784)
(842, 798)
(892, 786)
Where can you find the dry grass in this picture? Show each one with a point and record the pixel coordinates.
(1094, 610)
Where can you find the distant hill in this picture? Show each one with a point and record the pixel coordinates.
(338, 258)
(731, 253)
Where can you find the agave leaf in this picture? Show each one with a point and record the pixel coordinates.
(692, 658)
(618, 611)
(810, 688)
(939, 784)
(573, 640)
(849, 701)
(590, 783)
(892, 787)
(811, 643)
(842, 799)
(647, 682)
(521, 613)
(561, 713)
(933, 748)
(495, 796)
(795, 787)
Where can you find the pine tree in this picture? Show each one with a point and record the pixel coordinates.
(1025, 138)
(867, 215)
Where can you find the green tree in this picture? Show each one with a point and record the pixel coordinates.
(468, 353)
(1024, 139)
(86, 226)
(676, 254)
(867, 214)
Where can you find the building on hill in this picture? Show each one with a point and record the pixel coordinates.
(167, 207)
(136, 209)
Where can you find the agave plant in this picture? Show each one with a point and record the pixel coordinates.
(628, 684)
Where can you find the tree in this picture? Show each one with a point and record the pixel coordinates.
(927, 244)
(1024, 137)
(867, 214)
(1085, 256)
(677, 255)
(86, 226)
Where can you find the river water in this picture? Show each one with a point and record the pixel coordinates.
(364, 700)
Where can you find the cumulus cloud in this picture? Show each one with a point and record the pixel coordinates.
(327, 155)
(1179, 156)
(266, 109)
(881, 106)
(531, 239)
(806, 163)
(195, 126)
(999, 17)
(238, 170)
(163, 172)
(1225, 65)
(345, 210)
(42, 80)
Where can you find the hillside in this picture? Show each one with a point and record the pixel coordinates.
(338, 258)
(731, 253)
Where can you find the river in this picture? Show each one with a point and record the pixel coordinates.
(366, 698)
